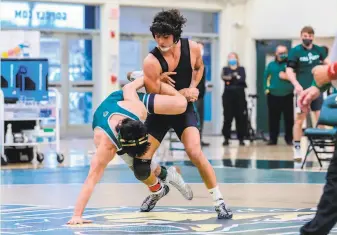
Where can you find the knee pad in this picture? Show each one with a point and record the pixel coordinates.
(142, 168)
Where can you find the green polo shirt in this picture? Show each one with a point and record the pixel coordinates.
(273, 84)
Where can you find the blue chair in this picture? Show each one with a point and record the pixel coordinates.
(323, 137)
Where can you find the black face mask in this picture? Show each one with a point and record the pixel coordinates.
(307, 42)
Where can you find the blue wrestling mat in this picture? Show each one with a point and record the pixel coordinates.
(26, 219)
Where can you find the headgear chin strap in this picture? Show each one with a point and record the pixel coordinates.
(130, 143)
(133, 143)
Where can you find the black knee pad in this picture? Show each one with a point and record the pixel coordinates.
(142, 168)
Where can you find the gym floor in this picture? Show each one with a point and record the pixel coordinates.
(267, 191)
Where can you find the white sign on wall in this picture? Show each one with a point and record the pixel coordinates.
(27, 41)
(51, 15)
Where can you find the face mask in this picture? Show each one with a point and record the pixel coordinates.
(202, 52)
(283, 56)
(307, 42)
(232, 62)
(164, 49)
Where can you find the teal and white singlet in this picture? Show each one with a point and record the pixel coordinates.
(110, 107)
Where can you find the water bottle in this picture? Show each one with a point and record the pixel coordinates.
(9, 134)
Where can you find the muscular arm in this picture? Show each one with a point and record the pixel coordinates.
(130, 89)
(198, 67)
(105, 153)
(169, 101)
(152, 72)
(139, 75)
(153, 84)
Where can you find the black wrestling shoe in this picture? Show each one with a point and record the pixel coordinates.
(150, 202)
(223, 211)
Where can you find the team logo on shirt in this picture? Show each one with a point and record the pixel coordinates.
(310, 58)
(105, 113)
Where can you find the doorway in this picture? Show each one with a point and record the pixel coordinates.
(265, 53)
(71, 63)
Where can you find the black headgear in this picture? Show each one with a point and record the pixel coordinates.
(131, 142)
(162, 28)
(168, 22)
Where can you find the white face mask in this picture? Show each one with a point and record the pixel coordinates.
(164, 49)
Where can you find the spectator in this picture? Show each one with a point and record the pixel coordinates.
(234, 99)
(302, 59)
(280, 97)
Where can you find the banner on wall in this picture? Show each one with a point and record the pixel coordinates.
(19, 44)
(41, 15)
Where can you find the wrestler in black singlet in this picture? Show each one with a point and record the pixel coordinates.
(158, 125)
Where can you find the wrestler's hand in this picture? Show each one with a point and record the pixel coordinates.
(283, 75)
(165, 77)
(78, 220)
(298, 89)
(306, 97)
(320, 73)
(193, 94)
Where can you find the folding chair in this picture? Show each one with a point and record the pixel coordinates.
(323, 137)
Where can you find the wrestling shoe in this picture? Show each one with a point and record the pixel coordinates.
(150, 202)
(223, 211)
(297, 154)
(177, 181)
(131, 76)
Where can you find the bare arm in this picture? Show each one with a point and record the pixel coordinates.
(153, 84)
(292, 76)
(130, 89)
(169, 101)
(170, 105)
(292, 64)
(198, 67)
(326, 61)
(105, 153)
(152, 72)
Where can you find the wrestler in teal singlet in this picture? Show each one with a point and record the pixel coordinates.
(110, 107)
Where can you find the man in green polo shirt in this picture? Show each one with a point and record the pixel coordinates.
(302, 59)
(280, 95)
